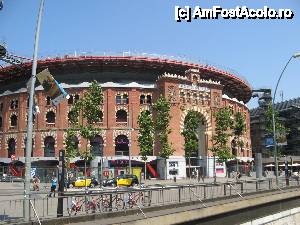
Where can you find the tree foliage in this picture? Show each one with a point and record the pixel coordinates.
(89, 108)
(239, 128)
(191, 123)
(281, 130)
(146, 134)
(220, 139)
(162, 109)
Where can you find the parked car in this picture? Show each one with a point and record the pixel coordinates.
(10, 178)
(127, 180)
(84, 182)
(112, 182)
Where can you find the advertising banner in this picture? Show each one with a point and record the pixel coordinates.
(52, 87)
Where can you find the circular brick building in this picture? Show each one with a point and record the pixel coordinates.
(130, 85)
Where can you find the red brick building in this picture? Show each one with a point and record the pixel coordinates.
(130, 85)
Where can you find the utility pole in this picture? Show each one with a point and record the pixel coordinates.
(29, 124)
(129, 146)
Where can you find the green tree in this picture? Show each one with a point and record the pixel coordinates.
(146, 135)
(162, 119)
(89, 109)
(221, 136)
(281, 130)
(239, 128)
(191, 123)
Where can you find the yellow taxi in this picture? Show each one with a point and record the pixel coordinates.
(84, 182)
(127, 180)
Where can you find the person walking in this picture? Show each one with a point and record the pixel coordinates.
(36, 182)
(53, 186)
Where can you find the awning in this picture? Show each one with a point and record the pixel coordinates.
(269, 165)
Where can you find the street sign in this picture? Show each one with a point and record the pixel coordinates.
(52, 87)
(269, 142)
(106, 173)
(32, 172)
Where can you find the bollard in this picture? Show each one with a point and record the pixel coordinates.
(204, 192)
(242, 187)
(287, 181)
(256, 184)
(225, 189)
(179, 194)
(270, 184)
(230, 190)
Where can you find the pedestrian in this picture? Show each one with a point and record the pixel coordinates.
(36, 182)
(53, 186)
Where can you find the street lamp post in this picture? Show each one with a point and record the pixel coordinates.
(29, 124)
(296, 55)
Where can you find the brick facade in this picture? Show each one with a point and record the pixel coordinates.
(186, 92)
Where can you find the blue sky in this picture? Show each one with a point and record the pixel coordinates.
(257, 49)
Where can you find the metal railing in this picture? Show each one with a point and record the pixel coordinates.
(98, 201)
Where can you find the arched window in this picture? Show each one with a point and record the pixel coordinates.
(142, 99)
(49, 149)
(13, 120)
(11, 147)
(50, 117)
(70, 100)
(149, 99)
(121, 116)
(32, 149)
(73, 115)
(122, 145)
(97, 146)
(48, 100)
